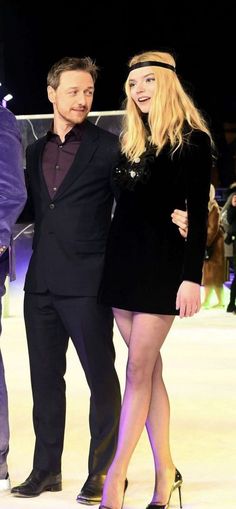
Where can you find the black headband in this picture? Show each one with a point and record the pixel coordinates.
(149, 63)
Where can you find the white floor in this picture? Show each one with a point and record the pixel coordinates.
(200, 373)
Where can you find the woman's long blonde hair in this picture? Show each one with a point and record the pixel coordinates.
(171, 107)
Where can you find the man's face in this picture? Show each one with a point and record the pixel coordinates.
(72, 100)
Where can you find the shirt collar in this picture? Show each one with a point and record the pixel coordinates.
(74, 134)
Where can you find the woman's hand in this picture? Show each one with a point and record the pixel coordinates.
(180, 218)
(188, 299)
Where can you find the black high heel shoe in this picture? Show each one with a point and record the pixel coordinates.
(107, 507)
(177, 484)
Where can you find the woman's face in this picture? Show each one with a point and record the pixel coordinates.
(142, 83)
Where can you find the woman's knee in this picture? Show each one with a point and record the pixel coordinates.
(138, 372)
(158, 369)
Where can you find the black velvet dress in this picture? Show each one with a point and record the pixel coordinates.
(146, 258)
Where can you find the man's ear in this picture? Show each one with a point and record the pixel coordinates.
(51, 94)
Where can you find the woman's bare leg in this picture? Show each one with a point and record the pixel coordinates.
(148, 333)
(158, 424)
(158, 420)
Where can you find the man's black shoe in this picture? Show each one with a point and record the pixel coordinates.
(37, 482)
(91, 492)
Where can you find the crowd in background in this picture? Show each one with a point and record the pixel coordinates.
(220, 256)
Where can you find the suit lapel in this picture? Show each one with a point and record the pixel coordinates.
(38, 155)
(84, 154)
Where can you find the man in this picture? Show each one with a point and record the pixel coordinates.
(69, 183)
(69, 172)
(12, 199)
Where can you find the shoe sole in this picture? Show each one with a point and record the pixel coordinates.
(86, 501)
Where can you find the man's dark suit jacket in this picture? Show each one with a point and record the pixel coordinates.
(71, 229)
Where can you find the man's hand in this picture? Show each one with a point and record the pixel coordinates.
(180, 218)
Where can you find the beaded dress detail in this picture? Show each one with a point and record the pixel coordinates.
(127, 174)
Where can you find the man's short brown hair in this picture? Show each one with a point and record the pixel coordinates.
(71, 64)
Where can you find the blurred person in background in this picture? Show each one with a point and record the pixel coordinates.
(12, 199)
(214, 264)
(228, 220)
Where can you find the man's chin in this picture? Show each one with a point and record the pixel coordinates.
(79, 118)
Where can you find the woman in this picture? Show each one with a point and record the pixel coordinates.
(152, 273)
(214, 266)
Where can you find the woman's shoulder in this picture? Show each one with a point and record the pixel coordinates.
(197, 144)
(197, 137)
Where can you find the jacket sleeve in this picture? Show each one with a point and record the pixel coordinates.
(12, 185)
(198, 165)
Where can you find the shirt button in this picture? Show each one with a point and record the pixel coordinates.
(54, 188)
(57, 166)
(52, 206)
(60, 146)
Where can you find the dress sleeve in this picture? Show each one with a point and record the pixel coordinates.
(198, 165)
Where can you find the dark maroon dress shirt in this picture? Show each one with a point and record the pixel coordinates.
(58, 157)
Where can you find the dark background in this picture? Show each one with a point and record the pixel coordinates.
(34, 37)
(201, 35)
